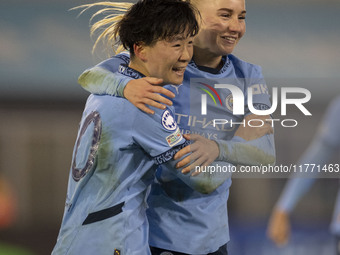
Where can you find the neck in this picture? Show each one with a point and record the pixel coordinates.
(203, 57)
(134, 64)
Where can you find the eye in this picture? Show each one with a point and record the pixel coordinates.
(177, 45)
(242, 17)
(226, 15)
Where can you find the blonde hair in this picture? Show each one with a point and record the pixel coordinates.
(115, 12)
(146, 21)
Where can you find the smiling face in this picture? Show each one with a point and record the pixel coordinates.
(167, 59)
(223, 25)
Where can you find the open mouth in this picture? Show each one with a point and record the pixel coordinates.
(229, 39)
(179, 70)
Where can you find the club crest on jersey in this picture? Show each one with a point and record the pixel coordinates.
(168, 120)
(229, 102)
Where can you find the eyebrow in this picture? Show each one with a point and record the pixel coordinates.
(230, 10)
(178, 37)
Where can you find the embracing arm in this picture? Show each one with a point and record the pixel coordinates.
(206, 182)
(209, 179)
(98, 80)
(163, 139)
(250, 145)
(101, 79)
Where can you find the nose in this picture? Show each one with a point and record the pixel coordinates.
(234, 25)
(186, 53)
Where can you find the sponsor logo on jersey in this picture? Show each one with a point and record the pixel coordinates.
(174, 138)
(168, 120)
(176, 87)
(168, 155)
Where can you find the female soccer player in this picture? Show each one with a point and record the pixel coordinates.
(183, 221)
(325, 144)
(118, 147)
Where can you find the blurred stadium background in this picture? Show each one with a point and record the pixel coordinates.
(43, 49)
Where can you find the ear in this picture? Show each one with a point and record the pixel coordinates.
(140, 51)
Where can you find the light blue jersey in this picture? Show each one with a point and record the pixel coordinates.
(182, 219)
(116, 153)
(325, 144)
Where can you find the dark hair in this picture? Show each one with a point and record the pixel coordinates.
(148, 21)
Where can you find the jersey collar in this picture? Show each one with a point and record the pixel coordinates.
(225, 66)
(128, 71)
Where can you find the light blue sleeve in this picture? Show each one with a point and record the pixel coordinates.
(207, 181)
(323, 147)
(157, 133)
(260, 151)
(160, 137)
(102, 78)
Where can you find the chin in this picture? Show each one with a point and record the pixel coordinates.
(175, 81)
(226, 50)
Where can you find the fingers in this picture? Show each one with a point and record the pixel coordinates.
(150, 102)
(158, 98)
(163, 91)
(182, 152)
(184, 162)
(145, 109)
(196, 159)
(194, 137)
(195, 165)
(144, 93)
(196, 162)
(203, 153)
(187, 136)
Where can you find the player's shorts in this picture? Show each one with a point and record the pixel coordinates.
(157, 251)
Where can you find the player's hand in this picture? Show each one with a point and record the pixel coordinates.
(279, 227)
(142, 92)
(203, 153)
(249, 133)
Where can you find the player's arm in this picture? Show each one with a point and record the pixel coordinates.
(279, 223)
(102, 79)
(255, 147)
(160, 137)
(252, 144)
(249, 146)
(322, 148)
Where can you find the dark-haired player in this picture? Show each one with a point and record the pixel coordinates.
(119, 147)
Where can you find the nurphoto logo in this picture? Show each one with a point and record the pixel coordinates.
(238, 103)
